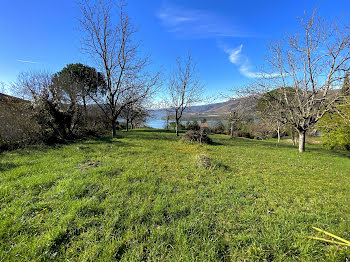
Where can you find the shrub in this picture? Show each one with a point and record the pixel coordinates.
(172, 125)
(219, 128)
(18, 127)
(335, 131)
(336, 138)
(196, 136)
(192, 126)
(241, 133)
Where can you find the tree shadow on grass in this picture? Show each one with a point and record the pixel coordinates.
(158, 134)
(273, 145)
(215, 143)
(104, 140)
(7, 166)
(309, 148)
(337, 153)
(109, 142)
(149, 130)
(154, 130)
(30, 149)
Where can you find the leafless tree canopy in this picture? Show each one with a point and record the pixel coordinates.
(134, 113)
(53, 107)
(3, 87)
(184, 88)
(109, 39)
(33, 85)
(308, 69)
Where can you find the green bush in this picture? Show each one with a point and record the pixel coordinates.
(241, 133)
(335, 130)
(172, 125)
(336, 138)
(192, 126)
(219, 128)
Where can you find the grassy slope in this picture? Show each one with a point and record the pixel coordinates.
(141, 196)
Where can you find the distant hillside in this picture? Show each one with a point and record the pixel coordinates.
(16, 123)
(7, 98)
(208, 111)
(216, 110)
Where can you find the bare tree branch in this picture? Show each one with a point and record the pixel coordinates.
(109, 39)
(184, 88)
(311, 65)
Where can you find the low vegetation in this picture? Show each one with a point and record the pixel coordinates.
(196, 136)
(148, 196)
(242, 193)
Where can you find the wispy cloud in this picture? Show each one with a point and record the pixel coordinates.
(197, 23)
(26, 61)
(205, 24)
(243, 64)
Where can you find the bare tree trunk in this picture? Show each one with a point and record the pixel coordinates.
(231, 129)
(177, 127)
(114, 128)
(177, 118)
(111, 44)
(127, 125)
(293, 136)
(184, 88)
(85, 111)
(301, 140)
(278, 134)
(167, 123)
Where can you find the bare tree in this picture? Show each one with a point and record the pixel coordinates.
(54, 107)
(164, 106)
(3, 87)
(167, 117)
(33, 85)
(184, 88)
(134, 113)
(307, 68)
(138, 117)
(235, 119)
(109, 39)
(271, 112)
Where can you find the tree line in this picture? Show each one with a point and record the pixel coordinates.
(81, 99)
(298, 88)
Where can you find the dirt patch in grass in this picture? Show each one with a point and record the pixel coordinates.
(89, 164)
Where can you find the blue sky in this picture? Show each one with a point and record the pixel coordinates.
(227, 38)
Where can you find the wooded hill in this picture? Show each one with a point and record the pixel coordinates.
(216, 111)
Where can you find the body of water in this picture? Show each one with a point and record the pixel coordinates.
(156, 121)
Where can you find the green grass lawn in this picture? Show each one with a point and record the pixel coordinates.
(143, 196)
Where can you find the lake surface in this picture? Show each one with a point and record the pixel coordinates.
(157, 122)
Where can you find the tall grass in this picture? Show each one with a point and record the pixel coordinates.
(143, 196)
